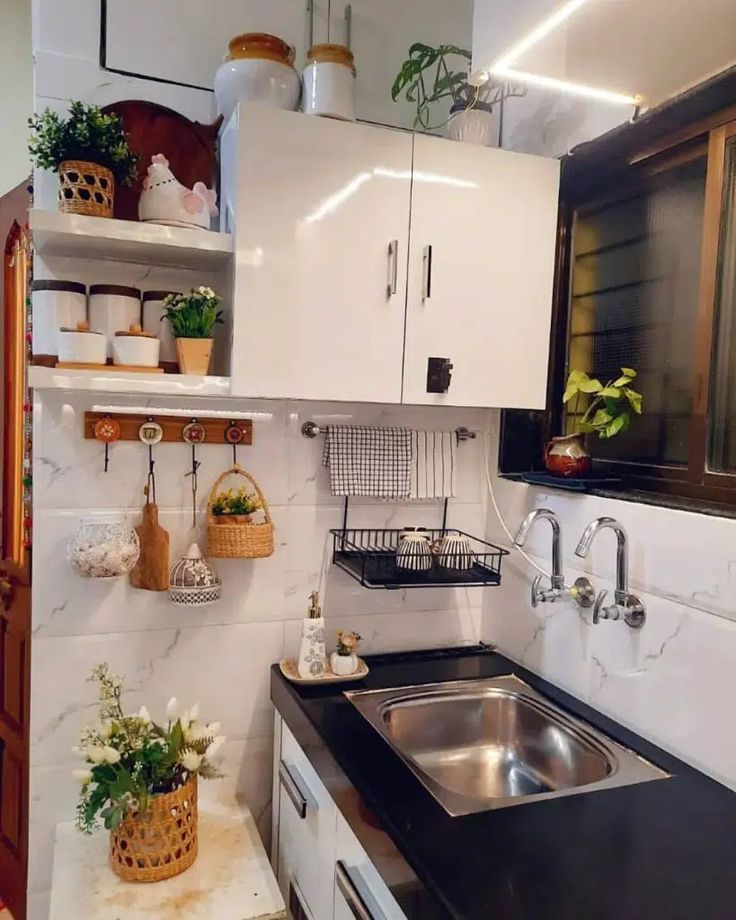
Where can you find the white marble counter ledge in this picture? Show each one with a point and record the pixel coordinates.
(231, 878)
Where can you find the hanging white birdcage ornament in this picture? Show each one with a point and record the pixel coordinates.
(193, 581)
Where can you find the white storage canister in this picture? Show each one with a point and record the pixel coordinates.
(135, 348)
(329, 82)
(153, 311)
(113, 307)
(55, 304)
(79, 345)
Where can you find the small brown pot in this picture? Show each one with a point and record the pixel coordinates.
(86, 188)
(194, 355)
(232, 519)
(566, 456)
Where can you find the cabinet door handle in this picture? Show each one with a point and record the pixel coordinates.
(291, 786)
(427, 273)
(393, 267)
(349, 25)
(353, 897)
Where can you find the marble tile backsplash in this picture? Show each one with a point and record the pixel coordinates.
(219, 656)
(672, 681)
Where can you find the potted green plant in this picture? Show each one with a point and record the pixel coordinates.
(140, 779)
(192, 318)
(610, 411)
(90, 152)
(430, 77)
(235, 506)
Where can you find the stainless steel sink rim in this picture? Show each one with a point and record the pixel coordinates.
(623, 766)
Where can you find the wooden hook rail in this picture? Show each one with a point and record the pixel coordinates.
(173, 426)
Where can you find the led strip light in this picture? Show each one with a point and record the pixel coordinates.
(504, 66)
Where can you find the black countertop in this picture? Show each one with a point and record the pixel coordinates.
(660, 850)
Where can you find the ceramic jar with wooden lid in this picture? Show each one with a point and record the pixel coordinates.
(55, 304)
(113, 307)
(329, 82)
(258, 68)
(135, 348)
(80, 345)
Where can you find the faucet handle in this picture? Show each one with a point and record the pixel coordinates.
(631, 610)
(537, 593)
(599, 612)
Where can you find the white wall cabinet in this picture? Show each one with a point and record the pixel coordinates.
(362, 252)
(481, 270)
(320, 298)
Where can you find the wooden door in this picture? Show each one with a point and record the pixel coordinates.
(321, 214)
(15, 594)
(481, 267)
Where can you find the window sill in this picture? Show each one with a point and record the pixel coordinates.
(639, 496)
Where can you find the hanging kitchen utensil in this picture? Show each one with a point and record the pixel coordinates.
(151, 572)
(107, 431)
(193, 581)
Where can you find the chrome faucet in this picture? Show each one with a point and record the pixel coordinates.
(582, 590)
(626, 606)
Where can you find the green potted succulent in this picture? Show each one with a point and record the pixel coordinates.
(90, 152)
(431, 77)
(609, 412)
(193, 317)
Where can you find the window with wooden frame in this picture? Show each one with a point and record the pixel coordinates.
(647, 279)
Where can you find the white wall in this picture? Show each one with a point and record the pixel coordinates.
(16, 98)
(673, 681)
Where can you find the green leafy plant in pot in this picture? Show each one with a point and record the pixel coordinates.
(609, 412)
(193, 317)
(90, 152)
(431, 77)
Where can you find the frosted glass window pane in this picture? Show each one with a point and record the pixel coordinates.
(635, 280)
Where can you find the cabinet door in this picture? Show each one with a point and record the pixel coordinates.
(307, 828)
(481, 270)
(359, 889)
(380, 33)
(184, 41)
(321, 235)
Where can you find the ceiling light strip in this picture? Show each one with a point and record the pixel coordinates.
(566, 86)
(536, 35)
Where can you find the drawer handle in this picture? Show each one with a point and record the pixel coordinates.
(353, 897)
(426, 273)
(291, 786)
(393, 267)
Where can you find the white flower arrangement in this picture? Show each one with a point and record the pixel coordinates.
(130, 758)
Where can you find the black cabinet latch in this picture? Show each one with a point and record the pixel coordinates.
(439, 375)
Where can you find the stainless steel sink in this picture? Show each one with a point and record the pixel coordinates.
(483, 744)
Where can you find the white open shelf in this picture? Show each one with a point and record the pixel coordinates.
(81, 237)
(52, 378)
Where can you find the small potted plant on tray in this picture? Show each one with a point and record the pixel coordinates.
(90, 152)
(140, 778)
(344, 660)
(193, 317)
(608, 413)
(235, 506)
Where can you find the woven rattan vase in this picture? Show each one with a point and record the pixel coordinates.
(239, 541)
(85, 188)
(161, 844)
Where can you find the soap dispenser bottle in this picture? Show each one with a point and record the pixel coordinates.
(311, 662)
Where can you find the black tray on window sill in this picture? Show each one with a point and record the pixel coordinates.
(369, 556)
(571, 483)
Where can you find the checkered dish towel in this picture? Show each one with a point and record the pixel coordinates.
(368, 461)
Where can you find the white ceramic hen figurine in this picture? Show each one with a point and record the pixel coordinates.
(165, 200)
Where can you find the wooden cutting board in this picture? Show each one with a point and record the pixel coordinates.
(151, 572)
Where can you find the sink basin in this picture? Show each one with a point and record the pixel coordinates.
(484, 744)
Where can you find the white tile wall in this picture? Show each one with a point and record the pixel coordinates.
(673, 681)
(219, 656)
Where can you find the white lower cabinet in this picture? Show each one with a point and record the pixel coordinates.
(322, 869)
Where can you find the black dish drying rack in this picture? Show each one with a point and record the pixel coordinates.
(369, 555)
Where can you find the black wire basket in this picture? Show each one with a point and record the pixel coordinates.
(370, 556)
